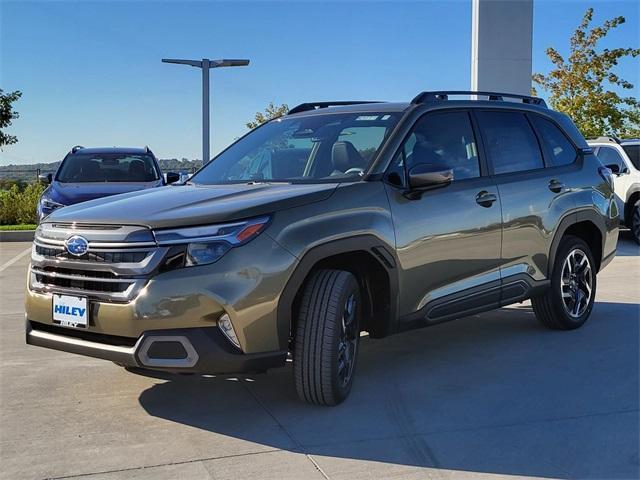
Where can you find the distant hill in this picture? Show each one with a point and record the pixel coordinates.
(28, 172)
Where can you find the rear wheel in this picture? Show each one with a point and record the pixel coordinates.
(635, 222)
(327, 337)
(568, 302)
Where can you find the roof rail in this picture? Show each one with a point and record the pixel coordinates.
(305, 107)
(611, 139)
(147, 149)
(424, 97)
(76, 148)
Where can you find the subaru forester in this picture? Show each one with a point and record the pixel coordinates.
(336, 219)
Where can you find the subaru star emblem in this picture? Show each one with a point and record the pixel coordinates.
(77, 245)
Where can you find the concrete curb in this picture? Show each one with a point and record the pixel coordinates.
(16, 235)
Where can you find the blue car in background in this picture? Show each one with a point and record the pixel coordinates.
(89, 173)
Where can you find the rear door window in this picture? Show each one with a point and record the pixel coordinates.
(509, 141)
(559, 149)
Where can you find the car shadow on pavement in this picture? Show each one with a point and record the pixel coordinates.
(492, 393)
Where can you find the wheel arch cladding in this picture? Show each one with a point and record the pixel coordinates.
(587, 225)
(373, 264)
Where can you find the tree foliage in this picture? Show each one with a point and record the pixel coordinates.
(272, 111)
(7, 114)
(583, 84)
(19, 206)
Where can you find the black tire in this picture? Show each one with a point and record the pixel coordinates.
(634, 224)
(325, 353)
(564, 306)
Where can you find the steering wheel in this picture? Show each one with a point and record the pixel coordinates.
(357, 170)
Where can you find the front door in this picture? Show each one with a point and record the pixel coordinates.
(448, 239)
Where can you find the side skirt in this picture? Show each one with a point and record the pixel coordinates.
(486, 297)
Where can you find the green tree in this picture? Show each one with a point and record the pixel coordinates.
(20, 207)
(269, 113)
(583, 84)
(7, 114)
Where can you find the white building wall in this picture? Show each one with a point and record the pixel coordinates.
(501, 39)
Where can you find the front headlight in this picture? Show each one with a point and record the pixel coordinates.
(48, 204)
(205, 253)
(207, 244)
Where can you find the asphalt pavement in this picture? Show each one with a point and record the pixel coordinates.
(492, 395)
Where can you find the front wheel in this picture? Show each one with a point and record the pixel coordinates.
(327, 337)
(568, 302)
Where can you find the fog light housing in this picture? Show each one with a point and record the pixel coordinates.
(226, 327)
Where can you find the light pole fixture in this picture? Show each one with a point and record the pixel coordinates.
(205, 64)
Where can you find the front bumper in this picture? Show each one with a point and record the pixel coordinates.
(245, 284)
(186, 350)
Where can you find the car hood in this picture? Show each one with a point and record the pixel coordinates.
(72, 193)
(175, 206)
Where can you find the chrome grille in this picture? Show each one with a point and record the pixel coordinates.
(81, 280)
(104, 257)
(116, 266)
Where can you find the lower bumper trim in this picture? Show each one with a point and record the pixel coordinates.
(208, 351)
(115, 353)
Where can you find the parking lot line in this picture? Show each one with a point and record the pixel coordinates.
(15, 259)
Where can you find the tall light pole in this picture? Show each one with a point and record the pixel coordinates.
(205, 64)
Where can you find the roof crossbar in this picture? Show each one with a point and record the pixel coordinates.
(424, 97)
(305, 107)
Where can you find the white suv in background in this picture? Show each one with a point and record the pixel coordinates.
(623, 159)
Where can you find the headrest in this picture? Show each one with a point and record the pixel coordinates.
(345, 156)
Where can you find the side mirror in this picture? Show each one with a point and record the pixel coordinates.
(45, 178)
(614, 167)
(172, 177)
(426, 176)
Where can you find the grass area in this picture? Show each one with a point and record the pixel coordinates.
(18, 227)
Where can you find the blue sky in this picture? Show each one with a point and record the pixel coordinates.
(90, 72)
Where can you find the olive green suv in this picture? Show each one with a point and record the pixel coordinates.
(336, 219)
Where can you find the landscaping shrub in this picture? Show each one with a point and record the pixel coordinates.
(19, 206)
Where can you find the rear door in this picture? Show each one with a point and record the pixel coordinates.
(448, 239)
(534, 191)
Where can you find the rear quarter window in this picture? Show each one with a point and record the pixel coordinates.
(560, 150)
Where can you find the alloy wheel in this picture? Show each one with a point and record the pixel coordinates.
(576, 283)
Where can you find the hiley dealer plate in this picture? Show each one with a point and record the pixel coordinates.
(70, 311)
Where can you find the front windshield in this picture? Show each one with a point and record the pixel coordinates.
(308, 149)
(107, 167)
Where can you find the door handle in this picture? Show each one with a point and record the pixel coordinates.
(556, 186)
(485, 199)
